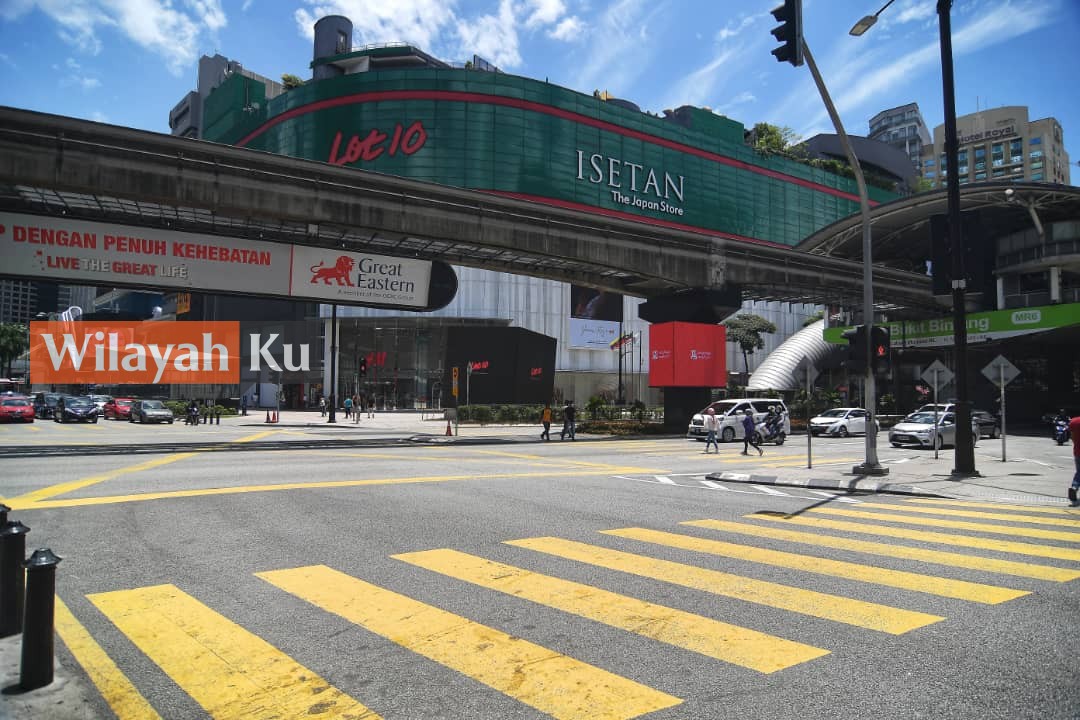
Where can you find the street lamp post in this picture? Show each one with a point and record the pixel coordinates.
(964, 462)
(870, 465)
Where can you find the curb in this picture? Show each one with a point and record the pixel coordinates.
(846, 485)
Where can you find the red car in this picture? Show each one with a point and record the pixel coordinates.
(12, 409)
(118, 409)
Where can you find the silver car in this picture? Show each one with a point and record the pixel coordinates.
(840, 421)
(919, 429)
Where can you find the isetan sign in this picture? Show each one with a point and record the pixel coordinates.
(105, 254)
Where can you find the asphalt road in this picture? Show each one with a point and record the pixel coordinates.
(488, 582)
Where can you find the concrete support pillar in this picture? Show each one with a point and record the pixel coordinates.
(1000, 293)
(1055, 284)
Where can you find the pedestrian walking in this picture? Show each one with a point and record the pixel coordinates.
(748, 434)
(243, 405)
(545, 419)
(371, 405)
(348, 407)
(356, 408)
(1074, 430)
(322, 405)
(569, 414)
(711, 426)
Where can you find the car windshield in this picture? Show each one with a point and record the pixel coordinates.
(124, 403)
(100, 398)
(923, 418)
(723, 408)
(14, 403)
(836, 412)
(152, 405)
(77, 402)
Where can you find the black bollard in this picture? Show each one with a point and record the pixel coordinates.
(4, 510)
(37, 638)
(12, 578)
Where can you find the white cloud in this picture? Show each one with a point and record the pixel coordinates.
(210, 13)
(735, 28)
(247, 5)
(418, 22)
(543, 12)
(98, 116)
(618, 53)
(493, 37)
(744, 98)
(75, 75)
(916, 11)
(568, 29)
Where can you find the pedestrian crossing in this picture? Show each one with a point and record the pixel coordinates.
(232, 672)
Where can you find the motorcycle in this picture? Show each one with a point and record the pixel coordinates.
(1061, 431)
(765, 432)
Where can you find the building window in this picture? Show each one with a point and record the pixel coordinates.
(980, 152)
(998, 173)
(1035, 153)
(1035, 141)
(1037, 165)
(929, 163)
(1016, 147)
(963, 169)
(980, 176)
(980, 164)
(962, 157)
(999, 163)
(1016, 158)
(1037, 176)
(930, 174)
(1017, 169)
(963, 180)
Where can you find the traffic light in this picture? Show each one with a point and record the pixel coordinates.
(363, 365)
(879, 348)
(789, 32)
(856, 357)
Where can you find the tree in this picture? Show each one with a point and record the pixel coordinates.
(12, 344)
(773, 140)
(291, 81)
(746, 331)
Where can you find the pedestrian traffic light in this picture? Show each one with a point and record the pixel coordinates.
(879, 349)
(856, 357)
(363, 365)
(789, 32)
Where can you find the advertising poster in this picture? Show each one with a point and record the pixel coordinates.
(685, 354)
(595, 316)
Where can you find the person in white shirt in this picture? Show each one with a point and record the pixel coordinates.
(711, 426)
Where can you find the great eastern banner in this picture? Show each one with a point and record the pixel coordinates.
(94, 253)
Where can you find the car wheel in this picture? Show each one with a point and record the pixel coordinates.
(896, 445)
(843, 431)
(939, 442)
(995, 433)
(728, 435)
(94, 421)
(170, 422)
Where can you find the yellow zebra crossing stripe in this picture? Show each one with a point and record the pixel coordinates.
(929, 584)
(722, 641)
(957, 524)
(937, 557)
(546, 680)
(996, 506)
(977, 514)
(227, 670)
(863, 614)
(126, 702)
(1008, 546)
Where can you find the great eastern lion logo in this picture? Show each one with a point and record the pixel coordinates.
(341, 272)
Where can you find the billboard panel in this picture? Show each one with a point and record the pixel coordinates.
(687, 355)
(595, 316)
(509, 365)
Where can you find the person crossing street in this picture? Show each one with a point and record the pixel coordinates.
(711, 426)
(748, 433)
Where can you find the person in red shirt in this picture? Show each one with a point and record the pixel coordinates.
(1074, 430)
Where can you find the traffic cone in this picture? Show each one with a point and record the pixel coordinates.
(275, 416)
(267, 416)
(448, 431)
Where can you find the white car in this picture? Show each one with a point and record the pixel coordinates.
(840, 421)
(918, 429)
(729, 414)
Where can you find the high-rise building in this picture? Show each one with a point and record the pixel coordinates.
(188, 117)
(22, 300)
(1001, 144)
(903, 128)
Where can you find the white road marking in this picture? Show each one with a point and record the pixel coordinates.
(664, 479)
(769, 490)
(714, 485)
(834, 496)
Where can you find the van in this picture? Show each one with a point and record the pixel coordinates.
(730, 413)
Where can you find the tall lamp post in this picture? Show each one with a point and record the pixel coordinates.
(794, 50)
(964, 457)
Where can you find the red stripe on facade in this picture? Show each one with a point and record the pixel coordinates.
(567, 205)
(456, 96)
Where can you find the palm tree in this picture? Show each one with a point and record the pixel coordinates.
(12, 344)
(746, 331)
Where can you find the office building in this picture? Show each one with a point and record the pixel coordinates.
(904, 129)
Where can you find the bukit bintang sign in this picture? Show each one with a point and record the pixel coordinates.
(94, 253)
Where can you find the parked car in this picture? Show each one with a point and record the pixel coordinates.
(729, 414)
(13, 408)
(942, 408)
(100, 401)
(45, 405)
(150, 411)
(918, 429)
(989, 426)
(72, 408)
(118, 408)
(840, 421)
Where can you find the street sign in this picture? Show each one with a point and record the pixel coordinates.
(805, 372)
(453, 388)
(937, 375)
(1000, 371)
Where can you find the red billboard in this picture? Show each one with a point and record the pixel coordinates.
(683, 354)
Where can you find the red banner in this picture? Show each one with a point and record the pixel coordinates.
(685, 354)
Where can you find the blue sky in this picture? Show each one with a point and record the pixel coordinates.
(128, 62)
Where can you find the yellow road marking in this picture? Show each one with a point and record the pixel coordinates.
(729, 643)
(35, 428)
(256, 436)
(230, 672)
(1009, 546)
(546, 680)
(958, 524)
(977, 514)
(202, 492)
(31, 498)
(808, 602)
(939, 557)
(996, 506)
(930, 584)
(126, 702)
(550, 462)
